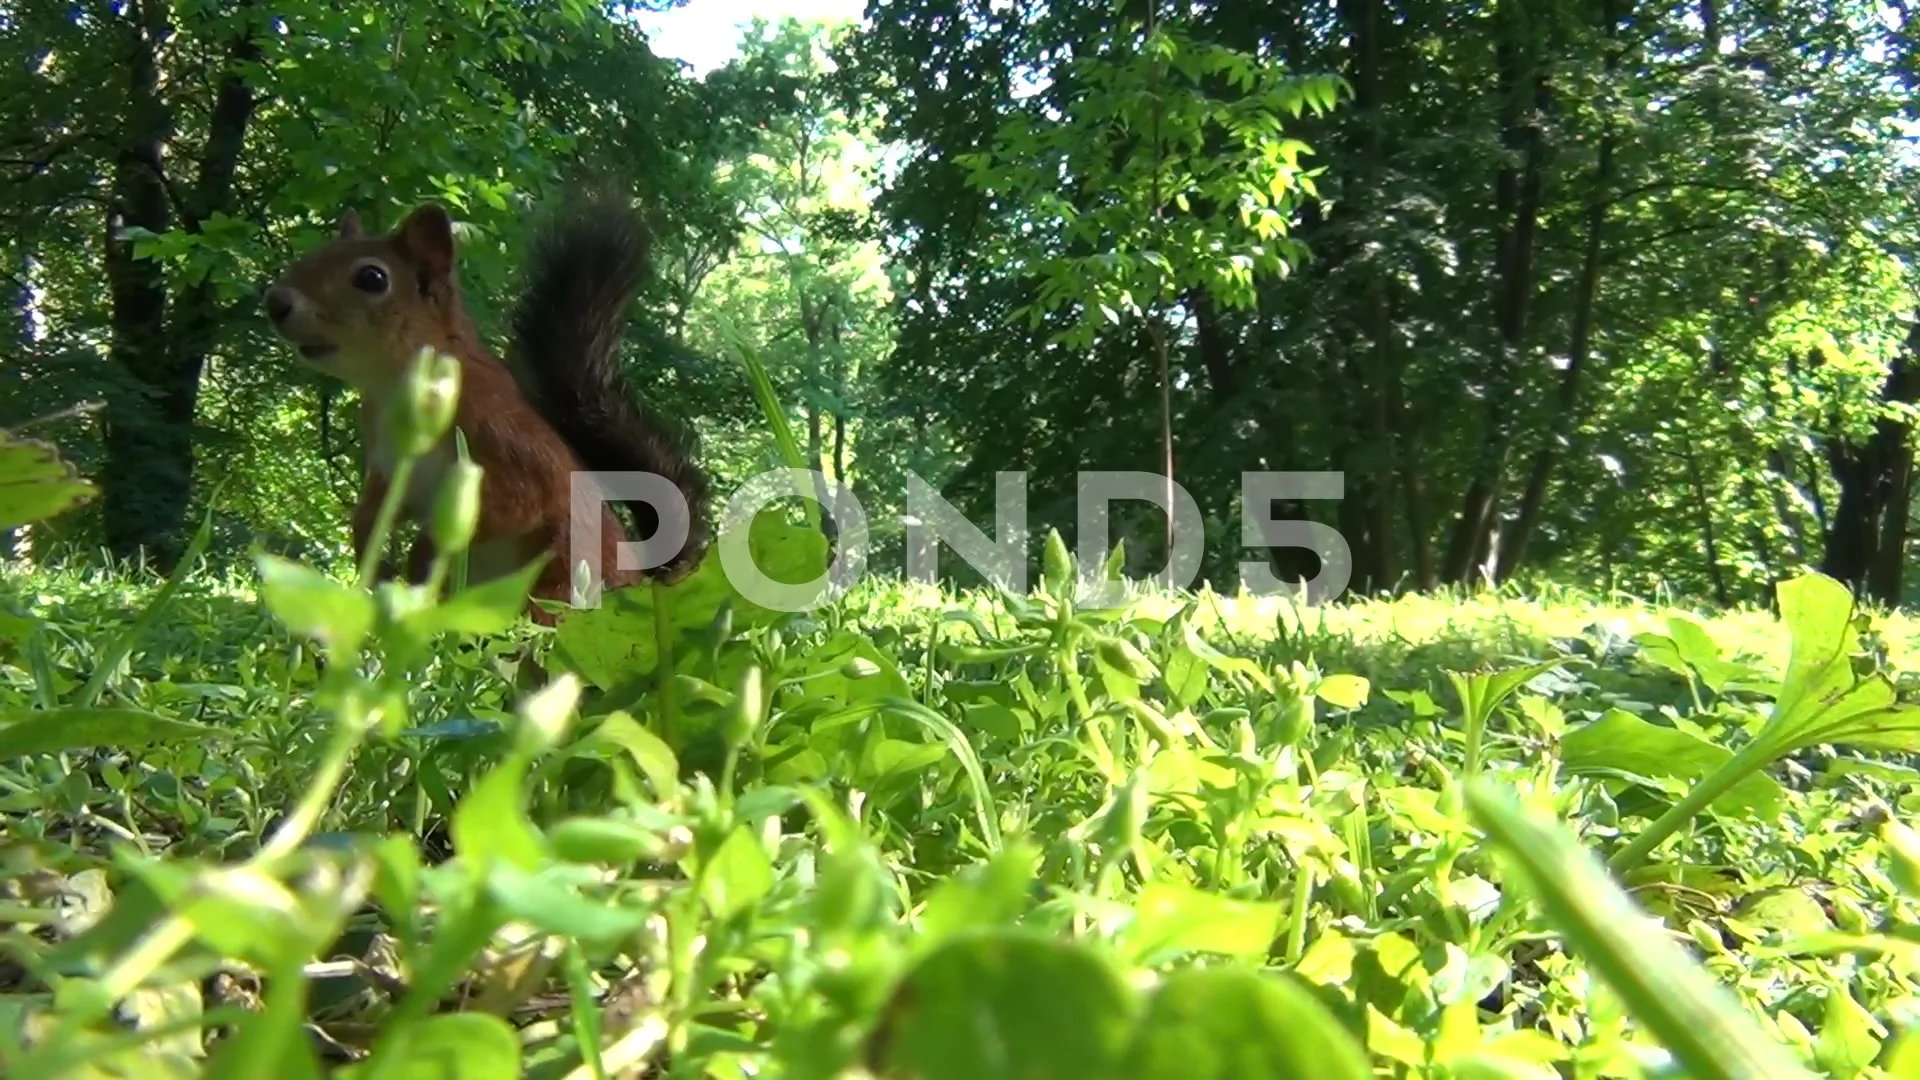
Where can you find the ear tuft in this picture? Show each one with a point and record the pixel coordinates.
(348, 227)
(427, 236)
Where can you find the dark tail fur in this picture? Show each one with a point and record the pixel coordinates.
(583, 271)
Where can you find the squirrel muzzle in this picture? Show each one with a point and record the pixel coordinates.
(295, 321)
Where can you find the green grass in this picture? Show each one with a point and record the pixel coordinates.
(287, 824)
(942, 836)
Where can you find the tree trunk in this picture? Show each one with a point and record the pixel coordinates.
(1373, 375)
(1579, 345)
(1709, 541)
(162, 343)
(1413, 488)
(1865, 541)
(19, 292)
(1517, 200)
(147, 478)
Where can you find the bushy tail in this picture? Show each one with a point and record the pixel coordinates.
(583, 270)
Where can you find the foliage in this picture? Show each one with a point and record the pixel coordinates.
(1002, 835)
(1599, 292)
(1578, 298)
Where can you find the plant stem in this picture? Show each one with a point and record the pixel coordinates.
(1748, 760)
(383, 522)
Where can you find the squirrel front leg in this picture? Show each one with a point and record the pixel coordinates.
(420, 559)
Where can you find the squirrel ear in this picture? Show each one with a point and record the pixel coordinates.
(349, 225)
(427, 235)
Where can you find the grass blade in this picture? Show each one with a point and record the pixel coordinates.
(1693, 1016)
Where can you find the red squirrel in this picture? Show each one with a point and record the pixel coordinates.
(361, 307)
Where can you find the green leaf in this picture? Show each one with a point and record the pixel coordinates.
(491, 607)
(620, 639)
(1620, 742)
(490, 822)
(1219, 661)
(240, 911)
(450, 1046)
(1821, 700)
(1343, 691)
(981, 897)
(35, 482)
(549, 901)
(53, 730)
(1846, 1043)
(822, 669)
(619, 732)
(1008, 1003)
(1185, 676)
(1481, 693)
(1229, 1024)
(604, 840)
(309, 603)
(738, 875)
(1172, 918)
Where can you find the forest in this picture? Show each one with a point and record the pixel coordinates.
(1588, 332)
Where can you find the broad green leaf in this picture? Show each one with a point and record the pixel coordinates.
(1007, 1003)
(449, 1046)
(490, 607)
(1483, 692)
(309, 603)
(1343, 691)
(1902, 1060)
(490, 822)
(737, 875)
(1185, 676)
(620, 639)
(619, 732)
(1788, 909)
(1693, 1015)
(1846, 1043)
(1620, 742)
(35, 482)
(827, 680)
(1821, 700)
(1169, 917)
(53, 730)
(1232, 1024)
(983, 896)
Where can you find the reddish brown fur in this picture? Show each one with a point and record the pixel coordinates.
(369, 339)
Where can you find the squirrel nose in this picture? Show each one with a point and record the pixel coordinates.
(279, 302)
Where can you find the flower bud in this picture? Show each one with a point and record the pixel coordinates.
(422, 412)
(748, 702)
(1056, 565)
(456, 510)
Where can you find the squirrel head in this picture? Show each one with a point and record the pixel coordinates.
(361, 306)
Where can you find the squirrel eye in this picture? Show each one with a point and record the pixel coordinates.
(370, 278)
